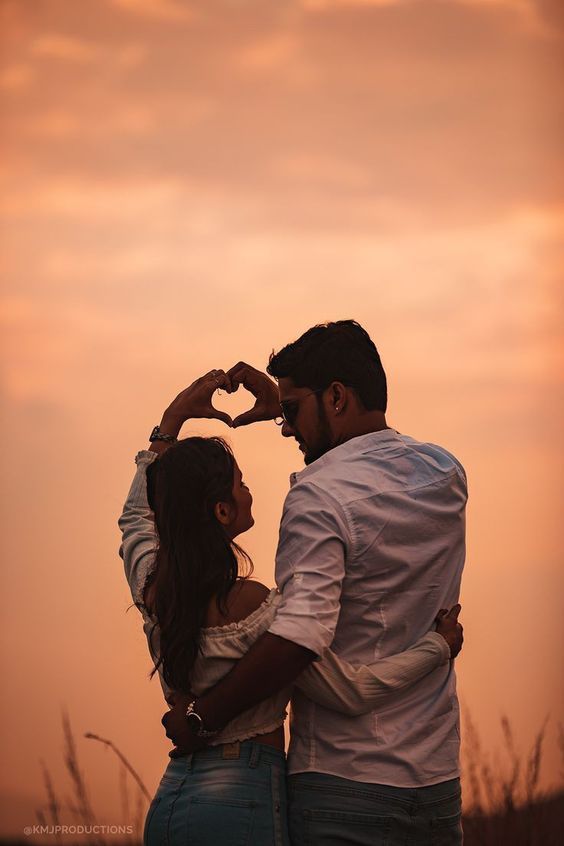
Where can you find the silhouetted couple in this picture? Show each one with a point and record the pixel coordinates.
(357, 633)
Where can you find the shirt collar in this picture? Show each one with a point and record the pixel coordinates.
(372, 441)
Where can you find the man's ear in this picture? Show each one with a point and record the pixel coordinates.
(223, 513)
(338, 396)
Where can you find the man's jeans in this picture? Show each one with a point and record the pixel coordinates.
(330, 811)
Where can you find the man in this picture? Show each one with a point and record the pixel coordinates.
(371, 547)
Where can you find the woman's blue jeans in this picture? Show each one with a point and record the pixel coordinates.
(330, 811)
(230, 795)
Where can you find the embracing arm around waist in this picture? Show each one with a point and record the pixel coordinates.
(315, 541)
(310, 567)
(356, 689)
(273, 662)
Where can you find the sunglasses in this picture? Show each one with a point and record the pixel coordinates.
(290, 408)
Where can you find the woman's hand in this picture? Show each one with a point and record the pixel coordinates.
(449, 627)
(194, 401)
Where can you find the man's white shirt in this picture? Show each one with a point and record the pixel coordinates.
(372, 545)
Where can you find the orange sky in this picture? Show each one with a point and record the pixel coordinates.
(185, 185)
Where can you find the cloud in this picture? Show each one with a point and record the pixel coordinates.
(16, 77)
(270, 52)
(82, 199)
(64, 47)
(449, 109)
(126, 55)
(544, 17)
(472, 284)
(60, 125)
(424, 113)
(131, 55)
(163, 10)
(322, 5)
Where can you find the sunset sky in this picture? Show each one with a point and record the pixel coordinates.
(185, 185)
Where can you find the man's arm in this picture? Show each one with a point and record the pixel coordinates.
(309, 573)
(271, 664)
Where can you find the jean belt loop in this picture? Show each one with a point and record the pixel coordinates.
(254, 760)
(189, 762)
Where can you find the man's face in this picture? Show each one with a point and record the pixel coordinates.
(307, 421)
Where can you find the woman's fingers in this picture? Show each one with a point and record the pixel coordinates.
(218, 379)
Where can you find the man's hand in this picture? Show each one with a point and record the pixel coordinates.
(178, 731)
(265, 391)
(449, 627)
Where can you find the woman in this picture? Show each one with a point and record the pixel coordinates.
(201, 614)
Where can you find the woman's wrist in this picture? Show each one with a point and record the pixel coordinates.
(171, 423)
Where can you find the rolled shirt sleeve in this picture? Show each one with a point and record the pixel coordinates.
(139, 537)
(310, 566)
(356, 689)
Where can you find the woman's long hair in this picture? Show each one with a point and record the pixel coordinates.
(196, 560)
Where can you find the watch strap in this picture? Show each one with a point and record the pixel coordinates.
(157, 435)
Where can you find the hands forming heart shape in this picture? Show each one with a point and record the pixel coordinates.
(196, 400)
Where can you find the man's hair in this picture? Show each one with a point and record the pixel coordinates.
(341, 351)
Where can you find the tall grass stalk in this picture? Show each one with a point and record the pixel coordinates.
(505, 805)
(78, 805)
(135, 775)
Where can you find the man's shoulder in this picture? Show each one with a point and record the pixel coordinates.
(368, 466)
(444, 458)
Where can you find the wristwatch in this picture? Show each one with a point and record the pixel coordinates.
(157, 435)
(196, 723)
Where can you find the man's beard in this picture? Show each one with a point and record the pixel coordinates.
(323, 441)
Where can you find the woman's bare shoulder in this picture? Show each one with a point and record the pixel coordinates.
(245, 596)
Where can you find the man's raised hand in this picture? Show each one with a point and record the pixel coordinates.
(264, 390)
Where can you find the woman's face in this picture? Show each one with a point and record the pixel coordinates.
(242, 519)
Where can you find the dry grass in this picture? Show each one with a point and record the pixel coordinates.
(505, 805)
(77, 809)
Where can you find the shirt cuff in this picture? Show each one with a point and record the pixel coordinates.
(316, 640)
(440, 641)
(145, 456)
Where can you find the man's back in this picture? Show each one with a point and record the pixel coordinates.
(399, 513)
